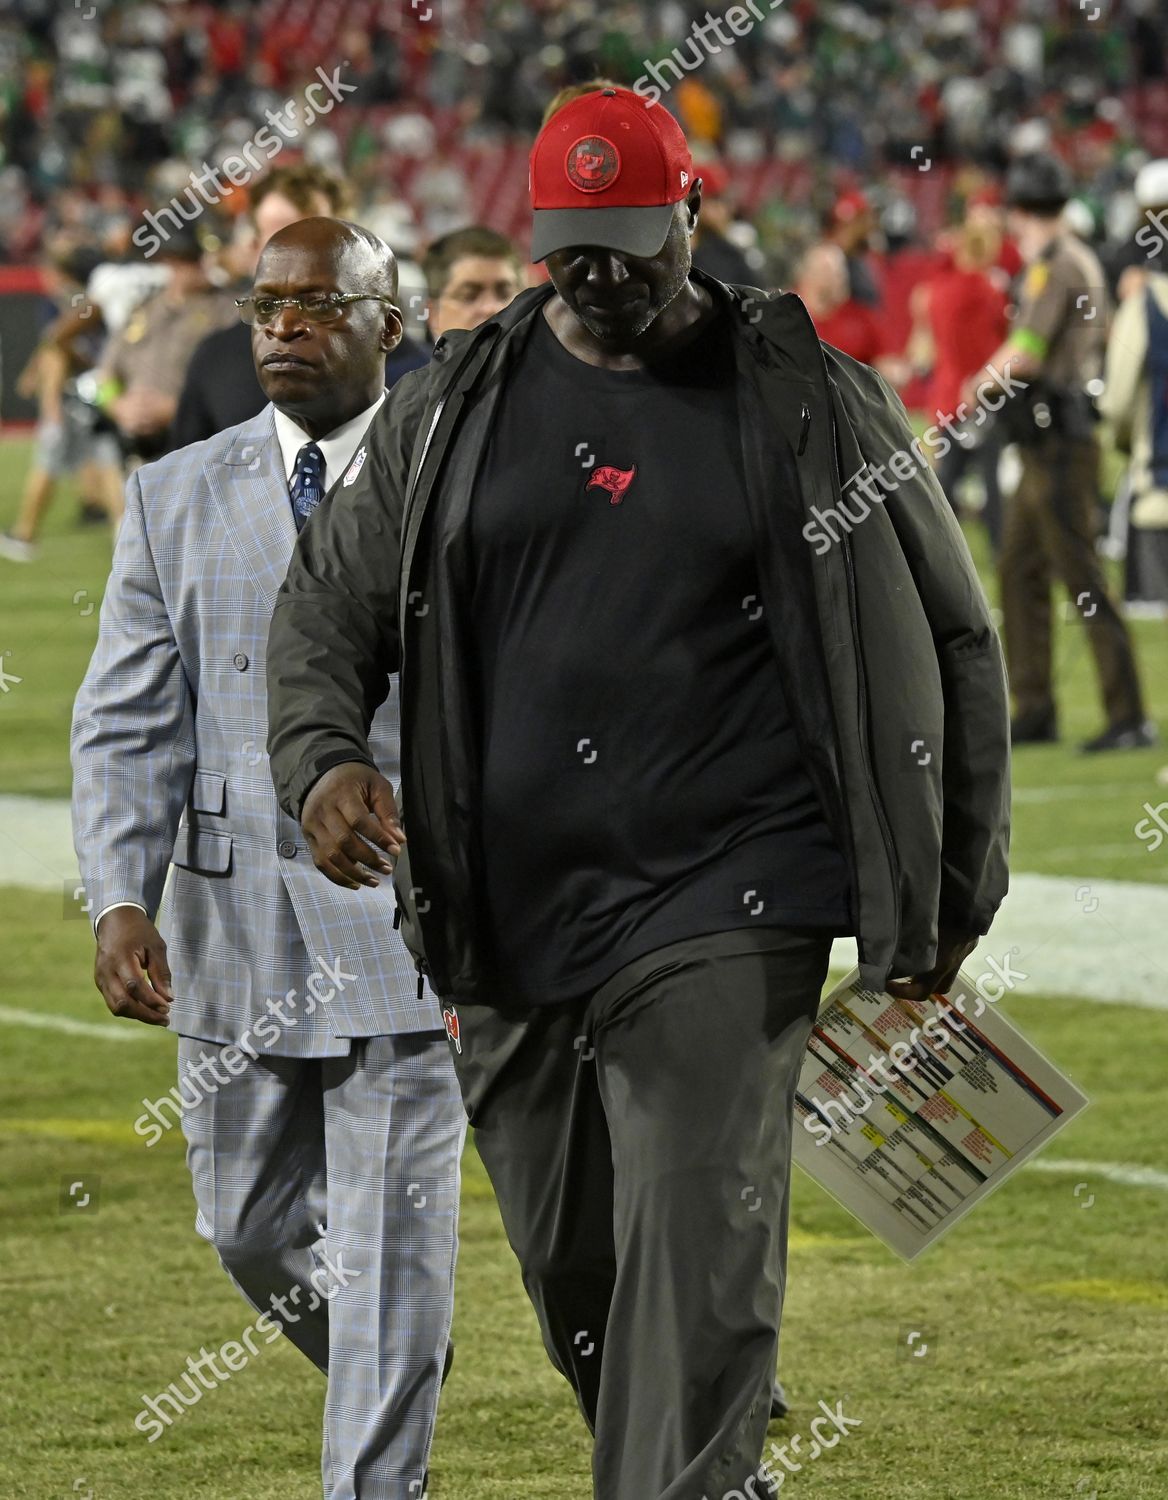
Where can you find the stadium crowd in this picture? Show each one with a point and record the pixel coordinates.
(889, 222)
(107, 105)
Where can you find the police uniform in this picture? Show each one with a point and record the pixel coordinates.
(1050, 526)
(156, 345)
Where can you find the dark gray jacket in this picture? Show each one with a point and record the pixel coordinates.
(882, 636)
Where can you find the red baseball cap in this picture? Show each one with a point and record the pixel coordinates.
(849, 206)
(607, 170)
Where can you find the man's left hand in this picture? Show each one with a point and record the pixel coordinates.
(953, 947)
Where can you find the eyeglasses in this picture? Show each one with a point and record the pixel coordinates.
(317, 307)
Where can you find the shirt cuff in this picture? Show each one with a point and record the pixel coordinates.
(112, 906)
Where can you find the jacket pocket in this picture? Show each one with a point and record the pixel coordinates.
(209, 792)
(201, 850)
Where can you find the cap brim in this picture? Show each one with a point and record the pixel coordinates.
(633, 231)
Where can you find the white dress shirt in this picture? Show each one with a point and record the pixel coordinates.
(338, 448)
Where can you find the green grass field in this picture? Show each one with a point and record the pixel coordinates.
(1045, 1316)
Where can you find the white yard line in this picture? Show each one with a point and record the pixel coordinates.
(1112, 1171)
(111, 1031)
(1025, 794)
(36, 843)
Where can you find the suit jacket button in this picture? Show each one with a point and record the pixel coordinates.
(287, 849)
(240, 661)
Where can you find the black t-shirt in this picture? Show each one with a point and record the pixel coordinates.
(641, 776)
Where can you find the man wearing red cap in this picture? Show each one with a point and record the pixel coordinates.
(656, 752)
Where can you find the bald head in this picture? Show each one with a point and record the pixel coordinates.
(329, 293)
(348, 250)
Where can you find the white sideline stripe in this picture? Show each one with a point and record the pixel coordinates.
(112, 1032)
(1113, 1171)
(1023, 794)
(36, 843)
(1129, 849)
(1064, 942)
(1082, 939)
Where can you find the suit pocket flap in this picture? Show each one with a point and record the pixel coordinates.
(209, 792)
(198, 849)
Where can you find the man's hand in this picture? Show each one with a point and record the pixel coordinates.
(953, 948)
(131, 969)
(349, 817)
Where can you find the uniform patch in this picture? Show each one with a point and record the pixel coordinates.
(615, 481)
(592, 164)
(450, 1019)
(355, 467)
(1036, 278)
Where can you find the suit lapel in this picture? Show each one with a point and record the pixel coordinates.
(251, 494)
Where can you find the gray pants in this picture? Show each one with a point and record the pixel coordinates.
(639, 1144)
(329, 1187)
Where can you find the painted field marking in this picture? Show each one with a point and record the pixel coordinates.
(1124, 1173)
(113, 1031)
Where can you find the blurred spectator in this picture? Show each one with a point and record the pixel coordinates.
(471, 274)
(713, 250)
(1148, 249)
(1135, 404)
(68, 441)
(117, 287)
(851, 225)
(840, 320)
(965, 314)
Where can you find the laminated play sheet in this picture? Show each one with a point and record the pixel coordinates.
(910, 1112)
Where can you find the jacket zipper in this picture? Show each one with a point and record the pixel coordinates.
(438, 410)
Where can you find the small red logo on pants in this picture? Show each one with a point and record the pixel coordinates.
(450, 1017)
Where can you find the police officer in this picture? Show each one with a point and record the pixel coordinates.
(143, 369)
(1056, 347)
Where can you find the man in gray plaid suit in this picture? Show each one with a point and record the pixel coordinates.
(323, 1121)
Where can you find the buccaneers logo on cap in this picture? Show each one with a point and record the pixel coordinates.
(615, 481)
(592, 164)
